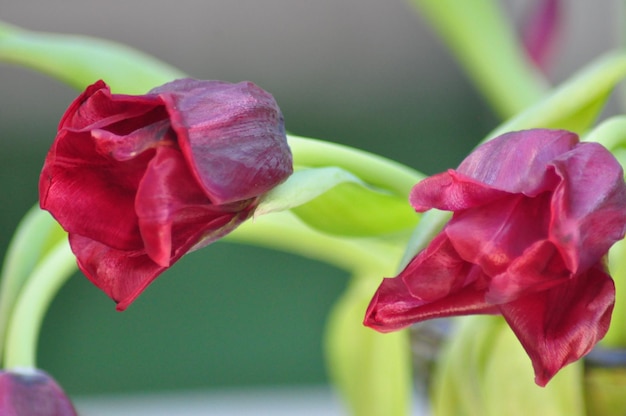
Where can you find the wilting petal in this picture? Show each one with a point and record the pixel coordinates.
(560, 325)
(519, 160)
(492, 236)
(538, 268)
(436, 272)
(238, 150)
(393, 307)
(588, 205)
(451, 191)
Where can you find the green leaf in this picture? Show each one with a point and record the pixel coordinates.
(575, 104)
(371, 370)
(303, 186)
(485, 43)
(484, 371)
(355, 210)
(80, 60)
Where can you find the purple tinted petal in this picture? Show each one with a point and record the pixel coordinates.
(231, 134)
(539, 32)
(452, 191)
(492, 236)
(589, 205)
(516, 162)
(560, 325)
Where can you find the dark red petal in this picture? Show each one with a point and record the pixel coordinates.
(232, 136)
(436, 271)
(393, 307)
(589, 205)
(166, 193)
(560, 325)
(452, 191)
(124, 274)
(492, 236)
(91, 194)
(97, 108)
(517, 162)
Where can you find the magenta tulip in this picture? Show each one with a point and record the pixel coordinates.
(138, 181)
(535, 213)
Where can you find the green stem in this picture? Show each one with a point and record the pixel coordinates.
(283, 231)
(483, 41)
(373, 169)
(43, 284)
(34, 235)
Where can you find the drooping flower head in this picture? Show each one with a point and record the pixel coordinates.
(32, 392)
(138, 181)
(535, 212)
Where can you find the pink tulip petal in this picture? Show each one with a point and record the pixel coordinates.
(492, 236)
(452, 191)
(436, 271)
(393, 307)
(516, 162)
(538, 268)
(588, 205)
(560, 325)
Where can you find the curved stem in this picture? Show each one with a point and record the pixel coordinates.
(43, 284)
(373, 169)
(283, 231)
(34, 234)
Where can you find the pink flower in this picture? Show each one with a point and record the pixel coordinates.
(138, 181)
(535, 212)
(32, 393)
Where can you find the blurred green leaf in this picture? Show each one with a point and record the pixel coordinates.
(485, 371)
(355, 210)
(80, 60)
(371, 370)
(575, 104)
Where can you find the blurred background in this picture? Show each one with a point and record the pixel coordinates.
(366, 73)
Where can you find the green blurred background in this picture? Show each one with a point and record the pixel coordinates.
(364, 73)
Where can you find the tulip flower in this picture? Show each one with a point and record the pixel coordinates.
(534, 214)
(32, 392)
(138, 181)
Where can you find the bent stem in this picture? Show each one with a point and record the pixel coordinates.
(373, 169)
(284, 231)
(36, 233)
(42, 285)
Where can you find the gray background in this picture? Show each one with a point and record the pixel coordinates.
(367, 73)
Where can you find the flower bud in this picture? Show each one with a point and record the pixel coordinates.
(32, 393)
